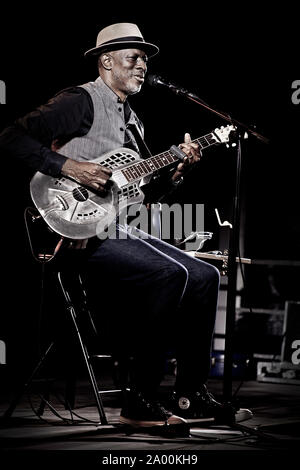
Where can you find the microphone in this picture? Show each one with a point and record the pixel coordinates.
(156, 80)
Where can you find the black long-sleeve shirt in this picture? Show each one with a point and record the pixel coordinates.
(70, 113)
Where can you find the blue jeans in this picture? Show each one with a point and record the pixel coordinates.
(159, 299)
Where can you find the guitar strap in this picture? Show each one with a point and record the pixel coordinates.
(143, 148)
(134, 129)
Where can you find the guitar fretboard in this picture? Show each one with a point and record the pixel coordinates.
(148, 166)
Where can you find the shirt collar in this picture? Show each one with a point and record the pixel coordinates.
(109, 94)
(107, 90)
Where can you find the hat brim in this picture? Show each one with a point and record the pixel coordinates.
(147, 47)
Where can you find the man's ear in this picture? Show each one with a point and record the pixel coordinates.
(105, 60)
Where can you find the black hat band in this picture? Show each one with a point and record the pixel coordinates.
(124, 39)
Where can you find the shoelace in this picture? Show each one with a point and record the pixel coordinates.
(214, 402)
(155, 407)
(204, 393)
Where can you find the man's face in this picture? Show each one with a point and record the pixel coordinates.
(128, 70)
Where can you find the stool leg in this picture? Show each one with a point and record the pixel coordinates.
(92, 378)
(18, 397)
(70, 389)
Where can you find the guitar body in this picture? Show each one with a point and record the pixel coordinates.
(78, 212)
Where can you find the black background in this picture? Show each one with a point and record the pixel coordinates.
(240, 60)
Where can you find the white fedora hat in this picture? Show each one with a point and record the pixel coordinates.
(121, 36)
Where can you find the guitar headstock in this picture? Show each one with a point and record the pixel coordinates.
(227, 135)
(223, 133)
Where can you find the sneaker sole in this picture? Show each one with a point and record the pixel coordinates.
(199, 420)
(144, 424)
(242, 415)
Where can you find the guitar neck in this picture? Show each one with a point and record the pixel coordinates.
(150, 165)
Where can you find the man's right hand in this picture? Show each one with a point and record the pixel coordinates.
(87, 173)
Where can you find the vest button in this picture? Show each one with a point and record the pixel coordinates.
(121, 129)
(120, 109)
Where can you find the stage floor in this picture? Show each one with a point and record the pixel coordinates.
(273, 432)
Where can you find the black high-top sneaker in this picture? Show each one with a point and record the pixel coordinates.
(138, 411)
(201, 406)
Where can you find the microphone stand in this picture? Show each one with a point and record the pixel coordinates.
(241, 129)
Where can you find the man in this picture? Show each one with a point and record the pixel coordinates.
(170, 298)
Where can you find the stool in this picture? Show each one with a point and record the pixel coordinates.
(81, 319)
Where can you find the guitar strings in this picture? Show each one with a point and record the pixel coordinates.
(207, 138)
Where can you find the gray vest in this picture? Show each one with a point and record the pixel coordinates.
(108, 131)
